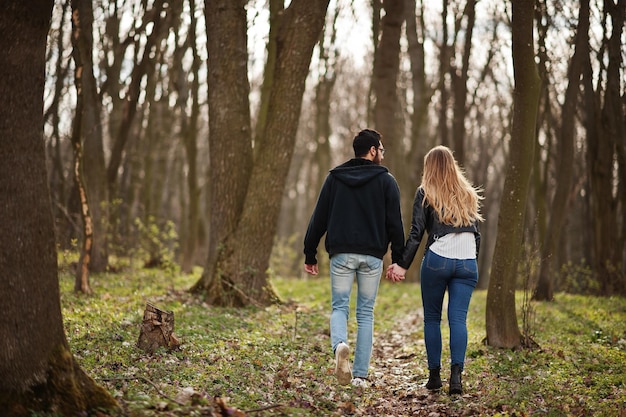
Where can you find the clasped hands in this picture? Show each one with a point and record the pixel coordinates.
(395, 273)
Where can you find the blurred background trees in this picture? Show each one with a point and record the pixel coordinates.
(421, 72)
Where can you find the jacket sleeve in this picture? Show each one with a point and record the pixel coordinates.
(395, 227)
(418, 227)
(477, 237)
(317, 225)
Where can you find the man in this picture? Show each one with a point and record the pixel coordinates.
(359, 210)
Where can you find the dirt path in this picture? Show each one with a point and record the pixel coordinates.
(399, 372)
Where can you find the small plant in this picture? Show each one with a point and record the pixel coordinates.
(578, 278)
(157, 242)
(528, 310)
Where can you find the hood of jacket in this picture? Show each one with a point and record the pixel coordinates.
(357, 171)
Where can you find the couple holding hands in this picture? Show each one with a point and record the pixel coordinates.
(358, 209)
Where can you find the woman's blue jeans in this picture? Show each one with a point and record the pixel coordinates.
(459, 278)
(368, 270)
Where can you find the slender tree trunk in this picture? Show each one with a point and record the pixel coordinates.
(614, 118)
(459, 86)
(444, 64)
(190, 137)
(145, 67)
(565, 160)
(411, 164)
(94, 169)
(52, 113)
(501, 318)
(39, 373)
(605, 129)
(81, 283)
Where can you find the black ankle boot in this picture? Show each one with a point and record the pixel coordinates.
(455, 380)
(434, 379)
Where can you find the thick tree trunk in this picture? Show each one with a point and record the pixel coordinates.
(39, 373)
(565, 161)
(230, 137)
(501, 319)
(238, 274)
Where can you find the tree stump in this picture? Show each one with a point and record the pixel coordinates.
(157, 330)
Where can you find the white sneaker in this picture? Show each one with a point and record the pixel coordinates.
(342, 364)
(360, 382)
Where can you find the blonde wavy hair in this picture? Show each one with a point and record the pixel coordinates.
(455, 200)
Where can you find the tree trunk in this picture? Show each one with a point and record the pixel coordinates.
(501, 319)
(444, 64)
(412, 162)
(56, 177)
(387, 118)
(459, 85)
(190, 137)
(605, 130)
(230, 139)
(614, 120)
(94, 169)
(145, 67)
(565, 161)
(39, 373)
(81, 283)
(237, 275)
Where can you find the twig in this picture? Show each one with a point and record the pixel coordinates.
(130, 378)
(258, 410)
(295, 326)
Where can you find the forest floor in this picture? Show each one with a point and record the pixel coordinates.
(277, 361)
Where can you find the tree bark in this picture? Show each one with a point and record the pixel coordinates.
(501, 319)
(39, 373)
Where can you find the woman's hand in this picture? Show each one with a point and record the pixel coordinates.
(395, 273)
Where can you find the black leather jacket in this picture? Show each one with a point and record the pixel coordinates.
(426, 220)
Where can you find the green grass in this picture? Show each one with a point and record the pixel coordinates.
(279, 357)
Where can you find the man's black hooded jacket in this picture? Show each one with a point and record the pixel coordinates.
(359, 210)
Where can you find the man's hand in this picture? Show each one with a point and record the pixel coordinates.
(311, 269)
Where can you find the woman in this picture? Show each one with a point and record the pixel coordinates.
(447, 207)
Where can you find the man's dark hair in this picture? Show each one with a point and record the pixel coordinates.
(364, 141)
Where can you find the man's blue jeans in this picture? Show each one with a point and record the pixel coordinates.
(368, 270)
(459, 277)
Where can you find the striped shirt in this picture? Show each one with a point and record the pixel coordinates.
(455, 246)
